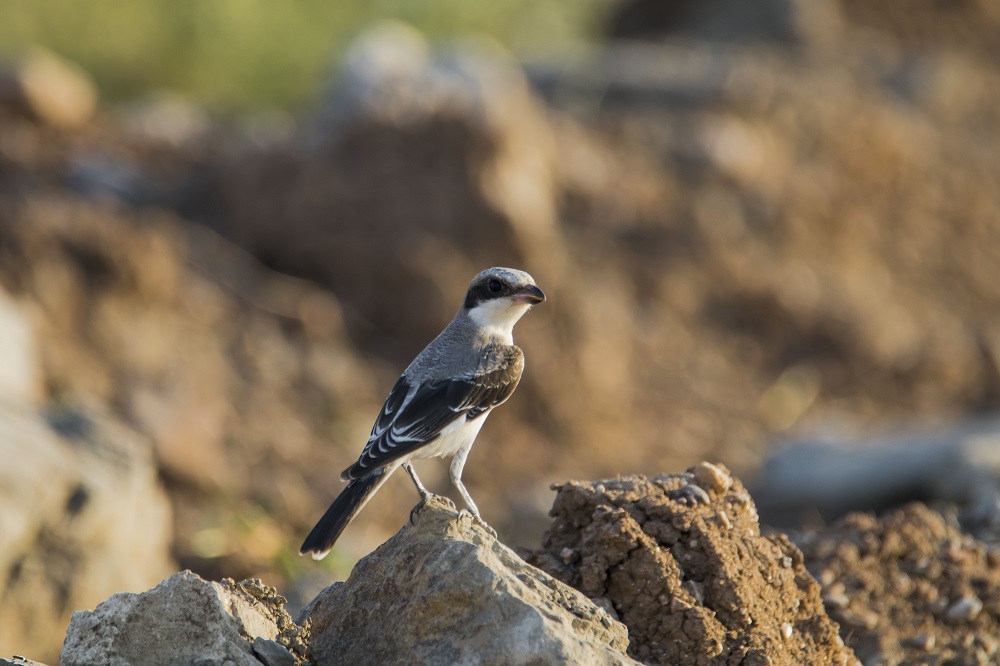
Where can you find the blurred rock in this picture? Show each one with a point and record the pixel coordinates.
(445, 591)
(182, 620)
(19, 661)
(167, 119)
(20, 375)
(922, 25)
(226, 367)
(49, 89)
(804, 479)
(410, 156)
(82, 515)
(687, 570)
(908, 588)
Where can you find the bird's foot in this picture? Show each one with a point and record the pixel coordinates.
(478, 520)
(415, 511)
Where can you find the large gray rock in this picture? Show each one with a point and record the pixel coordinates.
(82, 515)
(446, 592)
(183, 620)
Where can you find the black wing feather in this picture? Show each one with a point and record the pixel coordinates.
(409, 419)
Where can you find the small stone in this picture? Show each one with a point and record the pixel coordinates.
(607, 606)
(272, 653)
(924, 642)
(859, 618)
(569, 555)
(712, 477)
(678, 605)
(938, 605)
(965, 609)
(50, 90)
(786, 630)
(988, 642)
(836, 601)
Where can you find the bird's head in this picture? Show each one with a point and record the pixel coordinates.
(498, 297)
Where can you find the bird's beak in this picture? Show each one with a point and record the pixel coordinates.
(530, 295)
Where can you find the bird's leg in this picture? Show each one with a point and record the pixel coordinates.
(424, 493)
(457, 465)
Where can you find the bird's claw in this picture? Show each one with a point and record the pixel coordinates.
(478, 520)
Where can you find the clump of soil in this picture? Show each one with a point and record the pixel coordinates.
(681, 561)
(907, 588)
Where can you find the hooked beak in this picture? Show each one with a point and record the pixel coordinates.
(530, 295)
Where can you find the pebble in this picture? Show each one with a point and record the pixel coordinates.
(678, 605)
(786, 630)
(836, 601)
(569, 555)
(925, 642)
(859, 618)
(272, 653)
(712, 477)
(967, 608)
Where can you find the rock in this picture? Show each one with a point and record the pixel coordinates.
(411, 154)
(831, 476)
(272, 653)
(82, 515)
(184, 619)
(19, 661)
(49, 89)
(689, 573)
(445, 591)
(20, 375)
(917, 589)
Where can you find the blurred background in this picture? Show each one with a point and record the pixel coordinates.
(769, 233)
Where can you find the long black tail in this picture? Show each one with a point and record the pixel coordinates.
(341, 513)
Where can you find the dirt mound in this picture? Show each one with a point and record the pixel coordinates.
(907, 588)
(680, 559)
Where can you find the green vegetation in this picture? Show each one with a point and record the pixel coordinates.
(233, 54)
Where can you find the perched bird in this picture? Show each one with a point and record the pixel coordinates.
(442, 399)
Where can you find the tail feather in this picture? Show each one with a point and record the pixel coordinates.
(342, 512)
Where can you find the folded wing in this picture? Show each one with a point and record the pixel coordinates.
(415, 415)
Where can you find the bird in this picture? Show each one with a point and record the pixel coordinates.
(441, 400)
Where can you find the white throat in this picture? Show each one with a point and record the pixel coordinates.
(497, 318)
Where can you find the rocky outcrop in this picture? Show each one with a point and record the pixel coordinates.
(680, 559)
(185, 620)
(443, 590)
(82, 515)
(446, 591)
(675, 568)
